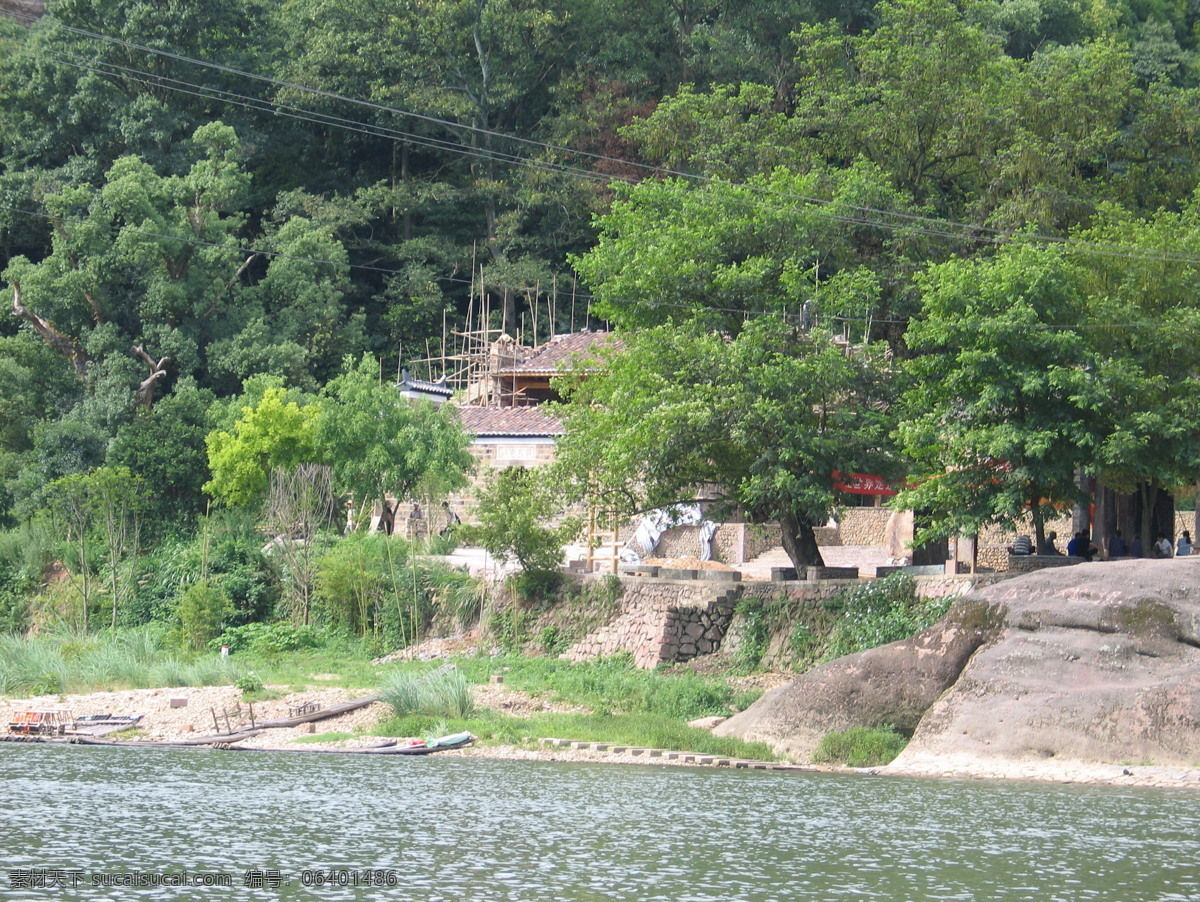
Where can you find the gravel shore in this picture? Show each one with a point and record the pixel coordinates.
(163, 723)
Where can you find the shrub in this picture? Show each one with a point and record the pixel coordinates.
(249, 683)
(509, 627)
(202, 612)
(878, 612)
(552, 640)
(267, 639)
(755, 635)
(860, 747)
(514, 512)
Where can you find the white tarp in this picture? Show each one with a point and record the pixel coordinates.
(645, 538)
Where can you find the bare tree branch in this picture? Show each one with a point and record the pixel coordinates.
(66, 345)
(144, 396)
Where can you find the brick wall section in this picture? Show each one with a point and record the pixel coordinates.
(758, 538)
(682, 541)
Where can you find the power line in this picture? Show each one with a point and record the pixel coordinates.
(373, 129)
(243, 250)
(921, 225)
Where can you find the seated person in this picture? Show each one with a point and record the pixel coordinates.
(1081, 546)
(1021, 545)
(1117, 547)
(1048, 546)
(1183, 547)
(1077, 547)
(1162, 546)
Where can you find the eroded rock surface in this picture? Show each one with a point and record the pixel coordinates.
(1095, 662)
(893, 684)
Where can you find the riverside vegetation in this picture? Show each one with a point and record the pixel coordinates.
(611, 700)
(215, 247)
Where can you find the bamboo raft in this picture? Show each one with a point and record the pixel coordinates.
(228, 741)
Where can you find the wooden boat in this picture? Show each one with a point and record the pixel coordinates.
(228, 743)
(422, 746)
(392, 747)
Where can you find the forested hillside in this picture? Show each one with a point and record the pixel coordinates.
(209, 209)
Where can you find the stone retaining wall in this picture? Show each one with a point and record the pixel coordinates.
(663, 621)
(863, 525)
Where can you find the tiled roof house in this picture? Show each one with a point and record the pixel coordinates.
(509, 425)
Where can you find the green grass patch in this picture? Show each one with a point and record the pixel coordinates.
(133, 733)
(263, 695)
(639, 730)
(860, 747)
(439, 693)
(111, 659)
(615, 686)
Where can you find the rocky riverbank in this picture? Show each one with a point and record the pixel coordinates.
(1088, 673)
(161, 722)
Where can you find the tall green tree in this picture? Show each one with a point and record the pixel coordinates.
(380, 443)
(1143, 320)
(762, 422)
(672, 251)
(166, 449)
(100, 506)
(278, 431)
(1001, 414)
(77, 103)
(143, 268)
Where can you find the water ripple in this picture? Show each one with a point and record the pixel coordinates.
(452, 828)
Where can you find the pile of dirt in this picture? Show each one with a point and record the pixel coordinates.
(435, 649)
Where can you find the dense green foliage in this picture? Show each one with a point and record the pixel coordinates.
(763, 421)
(879, 612)
(221, 224)
(519, 518)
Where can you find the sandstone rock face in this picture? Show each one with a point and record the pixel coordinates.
(1096, 662)
(893, 684)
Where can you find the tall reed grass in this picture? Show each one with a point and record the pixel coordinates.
(444, 693)
(113, 659)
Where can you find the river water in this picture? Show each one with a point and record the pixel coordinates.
(81, 822)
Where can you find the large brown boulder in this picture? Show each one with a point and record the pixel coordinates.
(1095, 662)
(893, 684)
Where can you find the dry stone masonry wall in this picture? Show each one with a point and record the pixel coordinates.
(662, 621)
(665, 621)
